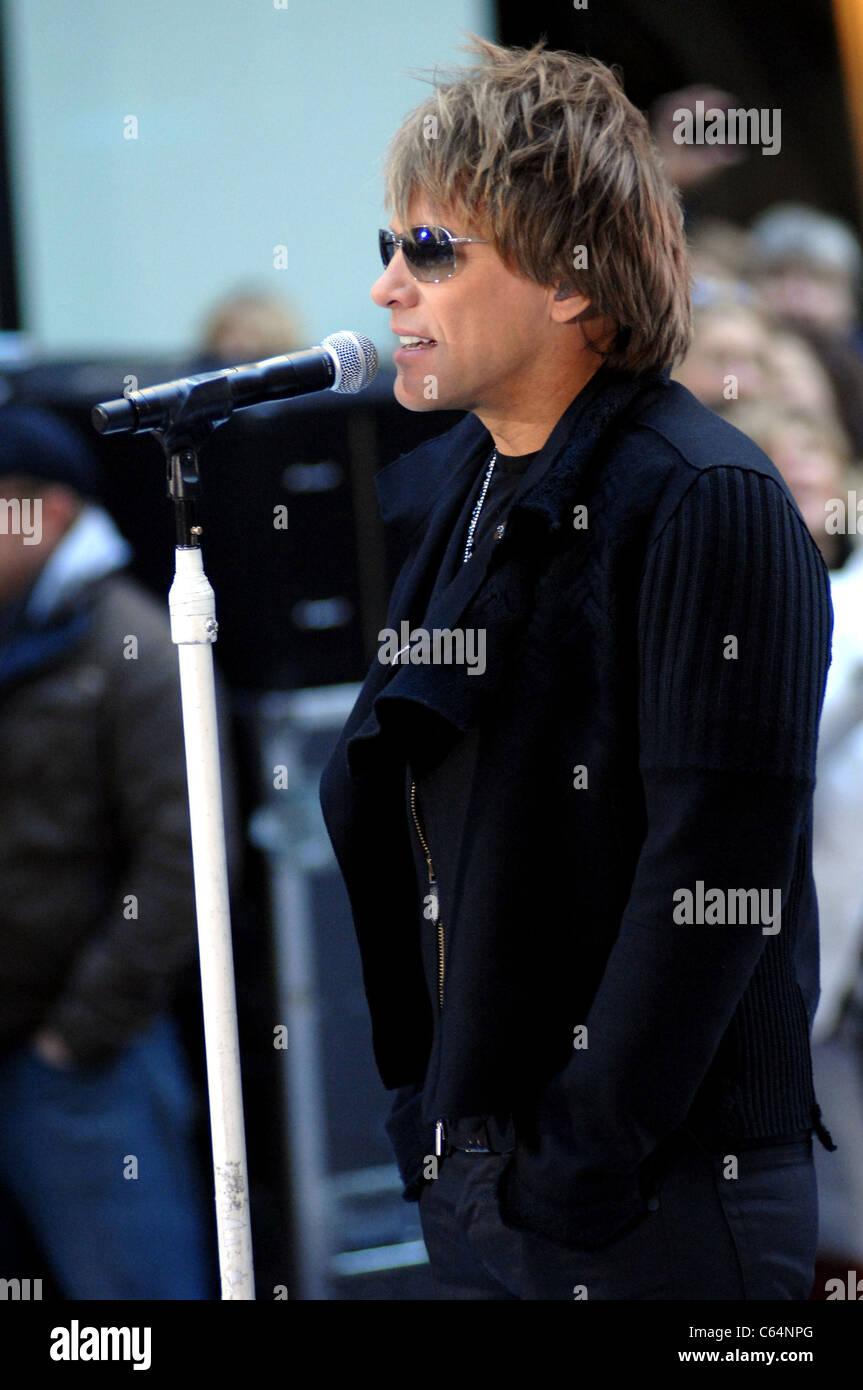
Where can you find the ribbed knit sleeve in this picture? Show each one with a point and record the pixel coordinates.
(734, 630)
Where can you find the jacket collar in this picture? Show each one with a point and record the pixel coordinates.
(424, 706)
(409, 488)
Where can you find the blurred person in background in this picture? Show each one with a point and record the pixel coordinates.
(828, 355)
(720, 252)
(814, 457)
(797, 378)
(249, 327)
(807, 265)
(97, 916)
(730, 351)
(690, 164)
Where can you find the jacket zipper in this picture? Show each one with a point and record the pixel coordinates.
(434, 906)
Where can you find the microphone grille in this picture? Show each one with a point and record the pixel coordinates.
(355, 359)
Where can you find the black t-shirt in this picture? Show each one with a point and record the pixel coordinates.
(508, 472)
(509, 469)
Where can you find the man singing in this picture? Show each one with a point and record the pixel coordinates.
(580, 876)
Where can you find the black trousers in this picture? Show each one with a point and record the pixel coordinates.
(703, 1235)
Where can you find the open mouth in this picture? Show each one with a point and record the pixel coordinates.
(414, 344)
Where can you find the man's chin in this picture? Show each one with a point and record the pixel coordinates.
(416, 397)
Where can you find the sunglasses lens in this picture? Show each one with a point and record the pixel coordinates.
(430, 253)
(386, 245)
(427, 250)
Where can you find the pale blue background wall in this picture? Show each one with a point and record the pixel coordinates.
(257, 126)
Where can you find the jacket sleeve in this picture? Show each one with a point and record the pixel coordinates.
(124, 974)
(410, 1138)
(734, 628)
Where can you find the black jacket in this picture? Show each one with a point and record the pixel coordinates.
(97, 911)
(646, 720)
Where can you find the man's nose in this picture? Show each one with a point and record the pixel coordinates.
(395, 284)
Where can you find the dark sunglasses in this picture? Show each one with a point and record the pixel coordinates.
(429, 251)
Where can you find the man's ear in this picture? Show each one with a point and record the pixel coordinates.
(573, 304)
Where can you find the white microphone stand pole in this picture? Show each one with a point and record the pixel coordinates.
(193, 629)
(182, 415)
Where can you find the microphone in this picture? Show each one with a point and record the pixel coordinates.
(344, 362)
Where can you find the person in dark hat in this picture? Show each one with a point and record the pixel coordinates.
(96, 896)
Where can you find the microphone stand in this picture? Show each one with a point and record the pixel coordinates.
(182, 415)
(193, 629)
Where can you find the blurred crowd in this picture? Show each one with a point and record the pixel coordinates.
(778, 351)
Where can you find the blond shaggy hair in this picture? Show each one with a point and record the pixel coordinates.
(543, 153)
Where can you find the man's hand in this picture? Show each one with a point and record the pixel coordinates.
(51, 1048)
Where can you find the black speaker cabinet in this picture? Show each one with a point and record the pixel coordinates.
(354, 1235)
